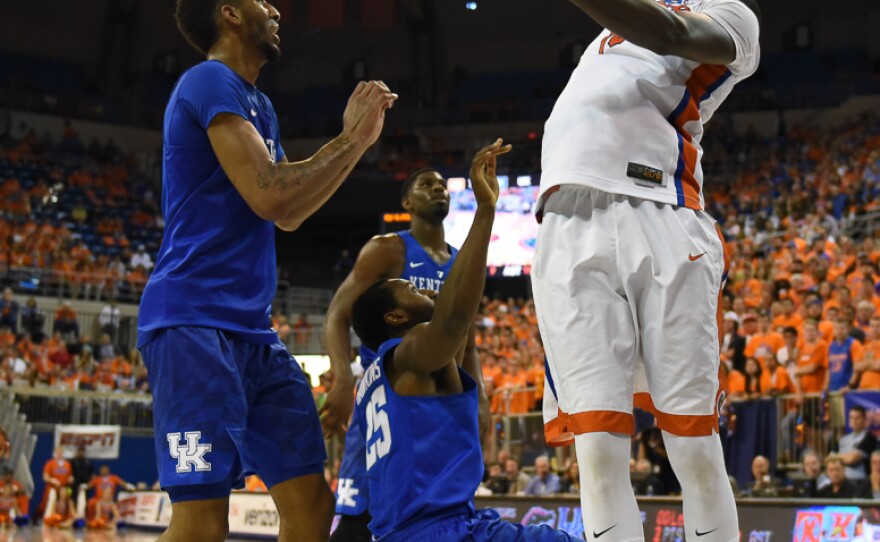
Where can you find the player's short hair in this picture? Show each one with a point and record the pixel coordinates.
(411, 180)
(753, 5)
(368, 314)
(197, 21)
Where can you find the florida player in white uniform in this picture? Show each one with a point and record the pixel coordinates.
(422, 256)
(628, 267)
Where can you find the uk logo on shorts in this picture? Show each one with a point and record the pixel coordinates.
(191, 455)
(346, 493)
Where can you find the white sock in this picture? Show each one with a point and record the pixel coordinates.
(709, 507)
(608, 504)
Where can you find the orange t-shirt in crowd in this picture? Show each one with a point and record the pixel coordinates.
(781, 383)
(771, 340)
(814, 353)
(871, 379)
(736, 383)
(107, 483)
(60, 470)
(782, 321)
(826, 328)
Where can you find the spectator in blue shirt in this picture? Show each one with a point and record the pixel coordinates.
(544, 481)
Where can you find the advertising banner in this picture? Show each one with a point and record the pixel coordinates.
(761, 520)
(99, 441)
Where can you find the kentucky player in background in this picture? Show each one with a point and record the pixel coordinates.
(228, 397)
(420, 255)
(628, 267)
(418, 408)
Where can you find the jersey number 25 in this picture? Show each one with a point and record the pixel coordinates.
(377, 422)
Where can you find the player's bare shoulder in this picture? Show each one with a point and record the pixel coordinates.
(384, 255)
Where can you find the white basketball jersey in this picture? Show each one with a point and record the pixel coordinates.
(630, 121)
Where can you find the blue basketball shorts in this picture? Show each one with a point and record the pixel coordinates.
(480, 526)
(224, 408)
(352, 493)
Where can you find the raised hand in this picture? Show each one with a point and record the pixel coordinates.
(364, 115)
(483, 173)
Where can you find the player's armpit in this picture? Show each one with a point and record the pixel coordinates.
(424, 351)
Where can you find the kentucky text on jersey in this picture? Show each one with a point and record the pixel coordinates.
(426, 283)
(370, 376)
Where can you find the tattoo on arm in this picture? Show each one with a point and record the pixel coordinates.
(283, 176)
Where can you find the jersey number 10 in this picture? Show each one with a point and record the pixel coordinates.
(377, 422)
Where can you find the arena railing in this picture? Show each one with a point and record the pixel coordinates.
(862, 226)
(42, 406)
(52, 283)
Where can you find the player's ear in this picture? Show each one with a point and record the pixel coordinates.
(397, 317)
(231, 14)
(405, 203)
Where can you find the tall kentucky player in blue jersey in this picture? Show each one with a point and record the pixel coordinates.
(420, 255)
(418, 408)
(228, 397)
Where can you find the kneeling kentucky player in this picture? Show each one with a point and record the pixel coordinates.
(420, 255)
(418, 408)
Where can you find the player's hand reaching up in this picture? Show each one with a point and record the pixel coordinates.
(483, 169)
(364, 115)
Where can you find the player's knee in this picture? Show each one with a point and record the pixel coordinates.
(209, 528)
(700, 464)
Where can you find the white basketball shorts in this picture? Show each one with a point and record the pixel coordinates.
(627, 297)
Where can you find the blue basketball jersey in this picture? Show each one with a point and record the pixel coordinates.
(840, 363)
(216, 266)
(420, 269)
(423, 454)
(352, 493)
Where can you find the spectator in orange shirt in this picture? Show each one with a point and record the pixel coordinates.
(104, 482)
(789, 317)
(57, 474)
(869, 367)
(814, 312)
(812, 366)
(775, 379)
(765, 337)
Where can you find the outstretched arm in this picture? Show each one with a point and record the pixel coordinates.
(381, 257)
(648, 24)
(431, 346)
(470, 362)
(288, 192)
